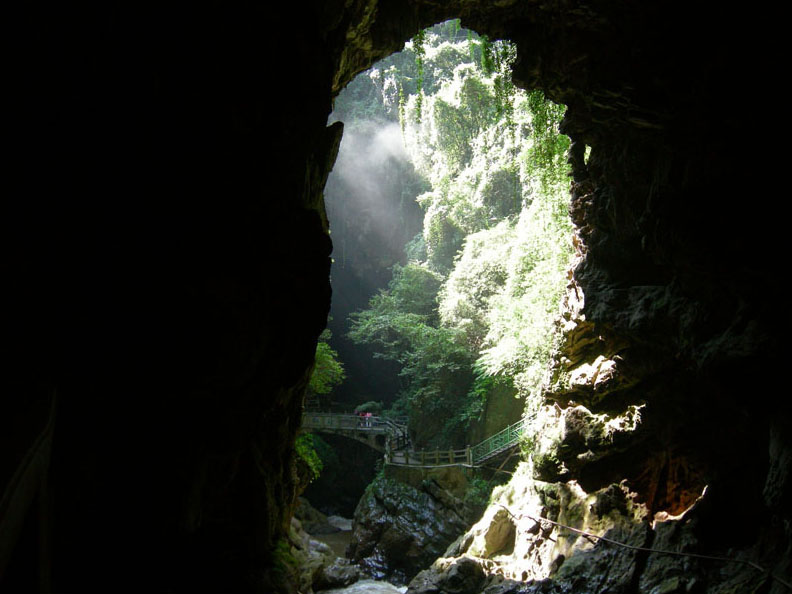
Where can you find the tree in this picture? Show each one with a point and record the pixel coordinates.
(476, 307)
(328, 371)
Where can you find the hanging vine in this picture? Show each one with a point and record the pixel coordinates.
(420, 52)
(487, 56)
(504, 54)
(402, 107)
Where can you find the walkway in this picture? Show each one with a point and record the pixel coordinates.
(381, 433)
(491, 447)
(391, 437)
(499, 443)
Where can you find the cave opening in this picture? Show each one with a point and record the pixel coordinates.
(385, 192)
(141, 287)
(448, 210)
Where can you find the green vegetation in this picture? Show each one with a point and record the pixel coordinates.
(308, 454)
(478, 493)
(373, 406)
(475, 305)
(328, 371)
(284, 563)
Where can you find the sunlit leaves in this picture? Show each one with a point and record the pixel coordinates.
(477, 304)
(420, 52)
(487, 56)
(521, 315)
(393, 321)
(402, 325)
(480, 272)
(546, 157)
(328, 371)
(414, 288)
(308, 454)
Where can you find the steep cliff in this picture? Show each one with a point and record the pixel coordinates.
(653, 405)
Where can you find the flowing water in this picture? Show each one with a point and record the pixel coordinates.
(338, 541)
(368, 587)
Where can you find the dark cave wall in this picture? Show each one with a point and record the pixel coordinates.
(165, 264)
(165, 259)
(679, 265)
(679, 271)
(681, 260)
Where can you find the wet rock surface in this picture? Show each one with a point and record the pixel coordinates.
(399, 530)
(315, 565)
(313, 521)
(338, 574)
(368, 587)
(543, 537)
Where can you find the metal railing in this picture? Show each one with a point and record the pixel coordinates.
(501, 441)
(317, 420)
(397, 451)
(490, 447)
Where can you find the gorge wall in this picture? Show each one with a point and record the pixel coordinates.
(165, 262)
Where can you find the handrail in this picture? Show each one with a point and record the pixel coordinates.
(321, 420)
(492, 446)
(434, 458)
(498, 442)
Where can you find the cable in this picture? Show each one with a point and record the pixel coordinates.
(650, 550)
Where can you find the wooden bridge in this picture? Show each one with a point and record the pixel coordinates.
(390, 437)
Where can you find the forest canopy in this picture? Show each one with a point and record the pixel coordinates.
(474, 306)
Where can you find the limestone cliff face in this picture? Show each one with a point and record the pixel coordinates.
(165, 268)
(617, 494)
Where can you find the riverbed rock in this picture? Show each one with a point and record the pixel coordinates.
(342, 524)
(313, 565)
(450, 576)
(308, 557)
(337, 574)
(399, 529)
(313, 521)
(367, 587)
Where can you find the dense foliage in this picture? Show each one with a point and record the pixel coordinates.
(476, 302)
(306, 451)
(328, 371)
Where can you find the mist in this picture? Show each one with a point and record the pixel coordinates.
(369, 167)
(369, 145)
(370, 200)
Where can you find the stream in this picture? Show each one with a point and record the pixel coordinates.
(367, 587)
(338, 541)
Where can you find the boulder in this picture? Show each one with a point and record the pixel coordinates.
(400, 529)
(337, 574)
